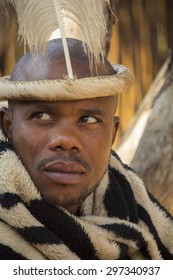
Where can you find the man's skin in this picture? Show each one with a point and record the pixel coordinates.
(65, 145)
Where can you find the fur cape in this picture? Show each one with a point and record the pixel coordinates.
(119, 220)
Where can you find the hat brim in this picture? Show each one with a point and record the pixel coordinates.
(67, 89)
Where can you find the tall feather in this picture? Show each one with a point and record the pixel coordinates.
(38, 19)
(64, 41)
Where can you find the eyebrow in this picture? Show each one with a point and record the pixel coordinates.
(92, 112)
(36, 105)
(44, 106)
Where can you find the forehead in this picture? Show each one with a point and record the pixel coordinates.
(105, 104)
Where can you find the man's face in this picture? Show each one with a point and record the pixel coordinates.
(64, 146)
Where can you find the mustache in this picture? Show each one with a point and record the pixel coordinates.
(61, 157)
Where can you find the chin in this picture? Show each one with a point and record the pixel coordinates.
(64, 201)
(66, 196)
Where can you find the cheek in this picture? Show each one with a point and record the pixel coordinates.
(27, 143)
(98, 147)
(102, 139)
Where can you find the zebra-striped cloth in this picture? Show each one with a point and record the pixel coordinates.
(119, 220)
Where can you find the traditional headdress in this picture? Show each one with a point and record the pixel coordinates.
(37, 20)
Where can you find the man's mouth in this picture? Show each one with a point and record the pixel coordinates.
(66, 173)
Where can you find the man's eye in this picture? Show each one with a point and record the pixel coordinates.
(88, 119)
(42, 116)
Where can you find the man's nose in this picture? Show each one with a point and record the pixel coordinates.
(65, 136)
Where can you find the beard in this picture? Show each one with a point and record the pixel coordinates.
(72, 202)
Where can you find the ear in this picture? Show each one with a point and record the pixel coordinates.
(116, 126)
(6, 123)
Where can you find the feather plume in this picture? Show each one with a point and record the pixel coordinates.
(38, 19)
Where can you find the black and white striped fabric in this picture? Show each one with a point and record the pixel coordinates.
(119, 220)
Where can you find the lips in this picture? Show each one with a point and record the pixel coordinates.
(67, 173)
